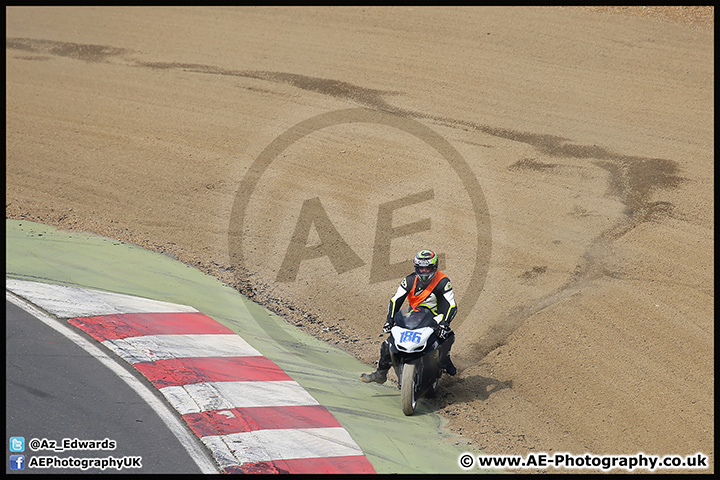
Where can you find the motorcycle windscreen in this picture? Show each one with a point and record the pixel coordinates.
(414, 319)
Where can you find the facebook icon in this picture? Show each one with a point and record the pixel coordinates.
(17, 462)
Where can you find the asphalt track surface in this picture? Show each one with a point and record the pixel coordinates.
(53, 387)
(371, 414)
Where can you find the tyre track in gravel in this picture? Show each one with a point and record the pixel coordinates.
(632, 179)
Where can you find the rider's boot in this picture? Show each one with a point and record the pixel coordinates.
(383, 365)
(379, 376)
(450, 367)
(446, 364)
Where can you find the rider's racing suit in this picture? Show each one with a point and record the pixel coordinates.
(438, 296)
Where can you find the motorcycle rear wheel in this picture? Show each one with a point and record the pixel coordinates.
(407, 389)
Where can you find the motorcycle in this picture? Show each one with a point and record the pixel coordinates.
(415, 356)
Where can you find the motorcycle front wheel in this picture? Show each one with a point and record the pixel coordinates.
(408, 386)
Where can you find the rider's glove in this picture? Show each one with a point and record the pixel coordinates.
(387, 327)
(443, 331)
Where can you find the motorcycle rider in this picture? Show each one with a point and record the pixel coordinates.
(426, 287)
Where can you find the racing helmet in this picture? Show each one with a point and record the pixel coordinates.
(426, 265)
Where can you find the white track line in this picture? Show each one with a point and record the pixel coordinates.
(66, 301)
(150, 348)
(268, 445)
(208, 396)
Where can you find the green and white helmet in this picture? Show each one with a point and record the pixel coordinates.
(426, 265)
